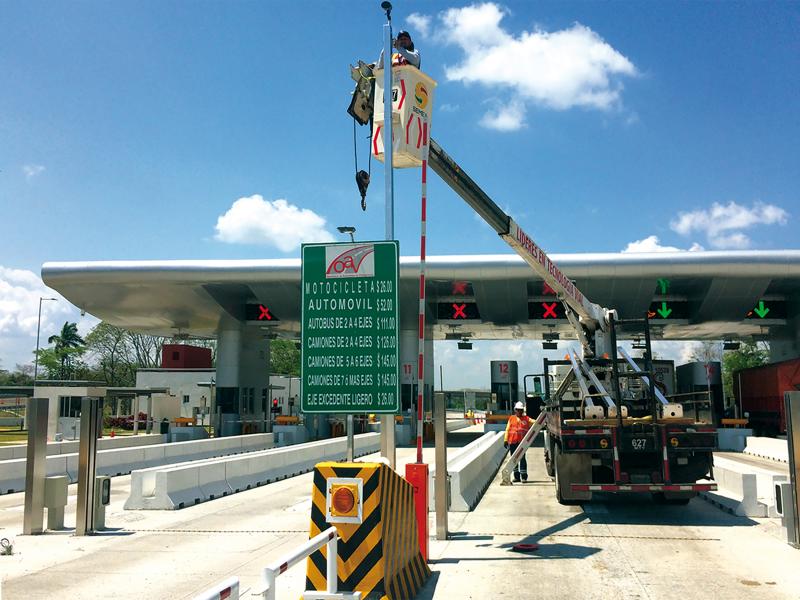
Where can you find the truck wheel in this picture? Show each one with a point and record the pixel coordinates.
(566, 468)
(548, 457)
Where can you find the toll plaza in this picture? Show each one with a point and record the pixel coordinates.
(629, 492)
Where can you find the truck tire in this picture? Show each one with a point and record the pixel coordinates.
(549, 459)
(566, 467)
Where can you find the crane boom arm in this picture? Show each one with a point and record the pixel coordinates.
(592, 316)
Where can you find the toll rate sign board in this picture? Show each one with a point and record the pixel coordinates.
(350, 352)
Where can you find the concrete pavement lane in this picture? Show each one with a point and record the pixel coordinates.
(617, 547)
(169, 554)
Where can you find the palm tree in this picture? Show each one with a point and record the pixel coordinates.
(65, 344)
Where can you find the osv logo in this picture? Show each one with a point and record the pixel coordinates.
(358, 261)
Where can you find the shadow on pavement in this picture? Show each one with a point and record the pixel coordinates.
(460, 536)
(544, 551)
(427, 591)
(113, 531)
(641, 509)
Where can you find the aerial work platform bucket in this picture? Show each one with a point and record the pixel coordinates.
(412, 104)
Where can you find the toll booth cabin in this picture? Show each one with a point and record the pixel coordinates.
(504, 386)
(700, 391)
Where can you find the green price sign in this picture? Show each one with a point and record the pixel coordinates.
(350, 352)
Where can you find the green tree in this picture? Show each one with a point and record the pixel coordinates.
(707, 352)
(749, 354)
(21, 375)
(284, 358)
(68, 345)
(109, 346)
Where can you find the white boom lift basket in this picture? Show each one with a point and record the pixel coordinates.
(412, 105)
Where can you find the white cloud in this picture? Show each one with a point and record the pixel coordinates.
(32, 171)
(420, 23)
(652, 244)
(723, 223)
(563, 69)
(509, 117)
(20, 291)
(253, 220)
(448, 108)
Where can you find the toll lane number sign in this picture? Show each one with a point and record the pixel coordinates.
(350, 351)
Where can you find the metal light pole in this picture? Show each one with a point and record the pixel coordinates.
(348, 229)
(38, 328)
(387, 421)
(349, 424)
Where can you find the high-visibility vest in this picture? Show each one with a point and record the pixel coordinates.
(517, 428)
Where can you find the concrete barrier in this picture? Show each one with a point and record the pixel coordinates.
(107, 443)
(737, 492)
(177, 486)
(765, 447)
(471, 469)
(458, 424)
(743, 489)
(765, 481)
(120, 461)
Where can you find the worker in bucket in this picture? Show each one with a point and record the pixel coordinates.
(518, 425)
(405, 53)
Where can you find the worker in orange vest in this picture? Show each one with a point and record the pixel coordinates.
(518, 425)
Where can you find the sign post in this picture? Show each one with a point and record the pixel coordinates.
(350, 320)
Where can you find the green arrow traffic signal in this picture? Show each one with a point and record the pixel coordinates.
(761, 310)
(664, 311)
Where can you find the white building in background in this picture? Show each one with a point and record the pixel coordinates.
(192, 391)
(189, 398)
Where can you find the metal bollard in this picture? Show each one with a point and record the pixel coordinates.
(55, 499)
(102, 498)
(784, 505)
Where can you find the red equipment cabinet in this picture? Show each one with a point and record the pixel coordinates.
(183, 356)
(759, 392)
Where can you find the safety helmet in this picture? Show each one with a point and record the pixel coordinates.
(519, 406)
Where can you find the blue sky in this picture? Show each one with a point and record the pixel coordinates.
(128, 129)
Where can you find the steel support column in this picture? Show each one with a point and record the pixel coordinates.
(792, 400)
(91, 419)
(440, 482)
(35, 466)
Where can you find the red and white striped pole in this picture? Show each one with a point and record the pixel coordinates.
(421, 357)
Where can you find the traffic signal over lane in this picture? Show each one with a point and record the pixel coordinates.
(546, 310)
(259, 312)
(457, 311)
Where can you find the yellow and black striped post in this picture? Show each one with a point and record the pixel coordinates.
(379, 556)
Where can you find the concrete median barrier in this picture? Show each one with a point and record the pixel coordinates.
(107, 443)
(471, 469)
(736, 494)
(765, 447)
(120, 461)
(455, 424)
(176, 486)
(754, 501)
